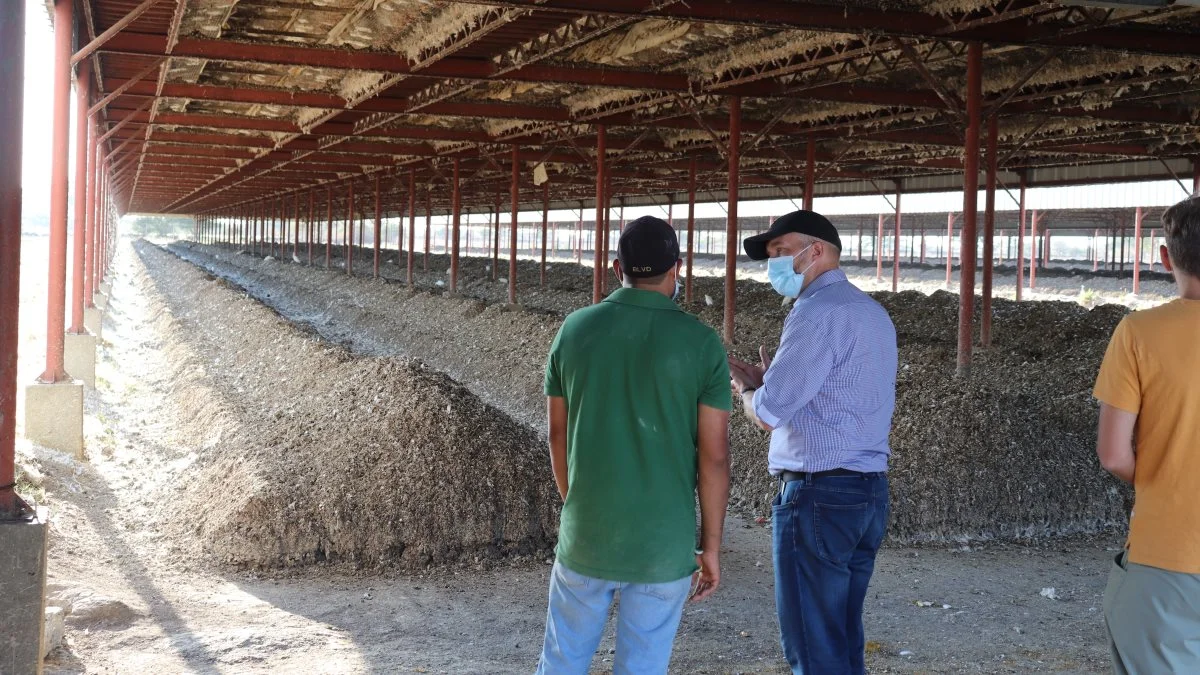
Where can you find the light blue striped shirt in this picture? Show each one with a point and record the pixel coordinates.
(831, 388)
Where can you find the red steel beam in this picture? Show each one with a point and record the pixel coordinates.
(12, 79)
(328, 226)
(348, 240)
(731, 227)
(1021, 241)
(691, 226)
(896, 245)
(455, 207)
(1137, 249)
(56, 287)
(378, 228)
(598, 265)
(514, 189)
(966, 288)
(879, 250)
(79, 245)
(1033, 250)
(412, 224)
(545, 228)
(144, 44)
(989, 232)
(810, 171)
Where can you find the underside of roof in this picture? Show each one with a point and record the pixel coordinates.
(224, 104)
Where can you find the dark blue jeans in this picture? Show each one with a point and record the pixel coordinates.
(826, 533)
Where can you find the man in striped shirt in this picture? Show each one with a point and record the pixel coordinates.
(827, 398)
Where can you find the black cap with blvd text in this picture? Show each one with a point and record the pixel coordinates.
(808, 223)
(648, 247)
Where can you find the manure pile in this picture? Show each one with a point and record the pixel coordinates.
(1005, 453)
(1008, 452)
(338, 458)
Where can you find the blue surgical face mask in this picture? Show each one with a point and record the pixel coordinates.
(784, 278)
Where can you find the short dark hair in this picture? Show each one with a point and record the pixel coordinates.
(1181, 225)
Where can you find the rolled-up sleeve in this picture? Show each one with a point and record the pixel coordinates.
(797, 372)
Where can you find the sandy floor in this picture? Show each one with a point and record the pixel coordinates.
(144, 608)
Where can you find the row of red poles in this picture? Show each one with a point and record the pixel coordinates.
(94, 226)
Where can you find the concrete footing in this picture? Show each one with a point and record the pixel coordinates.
(105, 287)
(100, 300)
(79, 357)
(23, 589)
(93, 321)
(54, 416)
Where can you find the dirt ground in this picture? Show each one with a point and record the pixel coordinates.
(143, 601)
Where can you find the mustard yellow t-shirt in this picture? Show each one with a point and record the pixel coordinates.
(1152, 368)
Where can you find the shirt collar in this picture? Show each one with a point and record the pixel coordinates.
(642, 298)
(829, 278)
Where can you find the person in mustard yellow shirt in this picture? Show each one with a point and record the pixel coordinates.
(1149, 435)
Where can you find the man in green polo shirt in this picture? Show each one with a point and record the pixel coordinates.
(638, 399)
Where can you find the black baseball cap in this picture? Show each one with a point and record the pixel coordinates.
(648, 247)
(810, 223)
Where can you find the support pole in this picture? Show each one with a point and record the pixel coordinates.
(349, 229)
(1034, 252)
(82, 101)
(731, 226)
(966, 292)
(597, 262)
(328, 226)
(1096, 250)
(428, 227)
(1021, 243)
(691, 229)
(512, 231)
(1137, 249)
(412, 226)
(455, 205)
(810, 172)
(312, 205)
(989, 233)
(377, 231)
(496, 239)
(1196, 176)
(12, 79)
(56, 287)
(296, 228)
(896, 245)
(860, 241)
(879, 250)
(545, 229)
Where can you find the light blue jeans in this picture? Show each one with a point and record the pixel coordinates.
(647, 618)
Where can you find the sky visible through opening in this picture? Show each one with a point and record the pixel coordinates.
(39, 78)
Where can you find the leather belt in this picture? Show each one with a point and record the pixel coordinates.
(789, 476)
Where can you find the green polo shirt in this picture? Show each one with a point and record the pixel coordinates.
(633, 370)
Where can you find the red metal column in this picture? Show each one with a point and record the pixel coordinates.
(89, 215)
(512, 232)
(276, 215)
(896, 245)
(604, 256)
(99, 199)
(348, 240)
(296, 229)
(989, 233)
(1196, 176)
(455, 205)
(328, 226)
(860, 240)
(496, 239)
(1096, 250)
(378, 229)
(428, 226)
(579, 235)
(1137, 249)
(412, 225)
(879, 251)
(1034, 252)
(1046, 249)
(1021, 243)
(810, 172)
(56, 288)
(311, 223)
(597, 261)
(731, 226)
(966, 292)
(545, 228)
(12, 79)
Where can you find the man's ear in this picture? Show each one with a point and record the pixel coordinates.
(1166, 258)
(616, 267)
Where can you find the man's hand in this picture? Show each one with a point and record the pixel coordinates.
(708, 578)
(745, 375)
